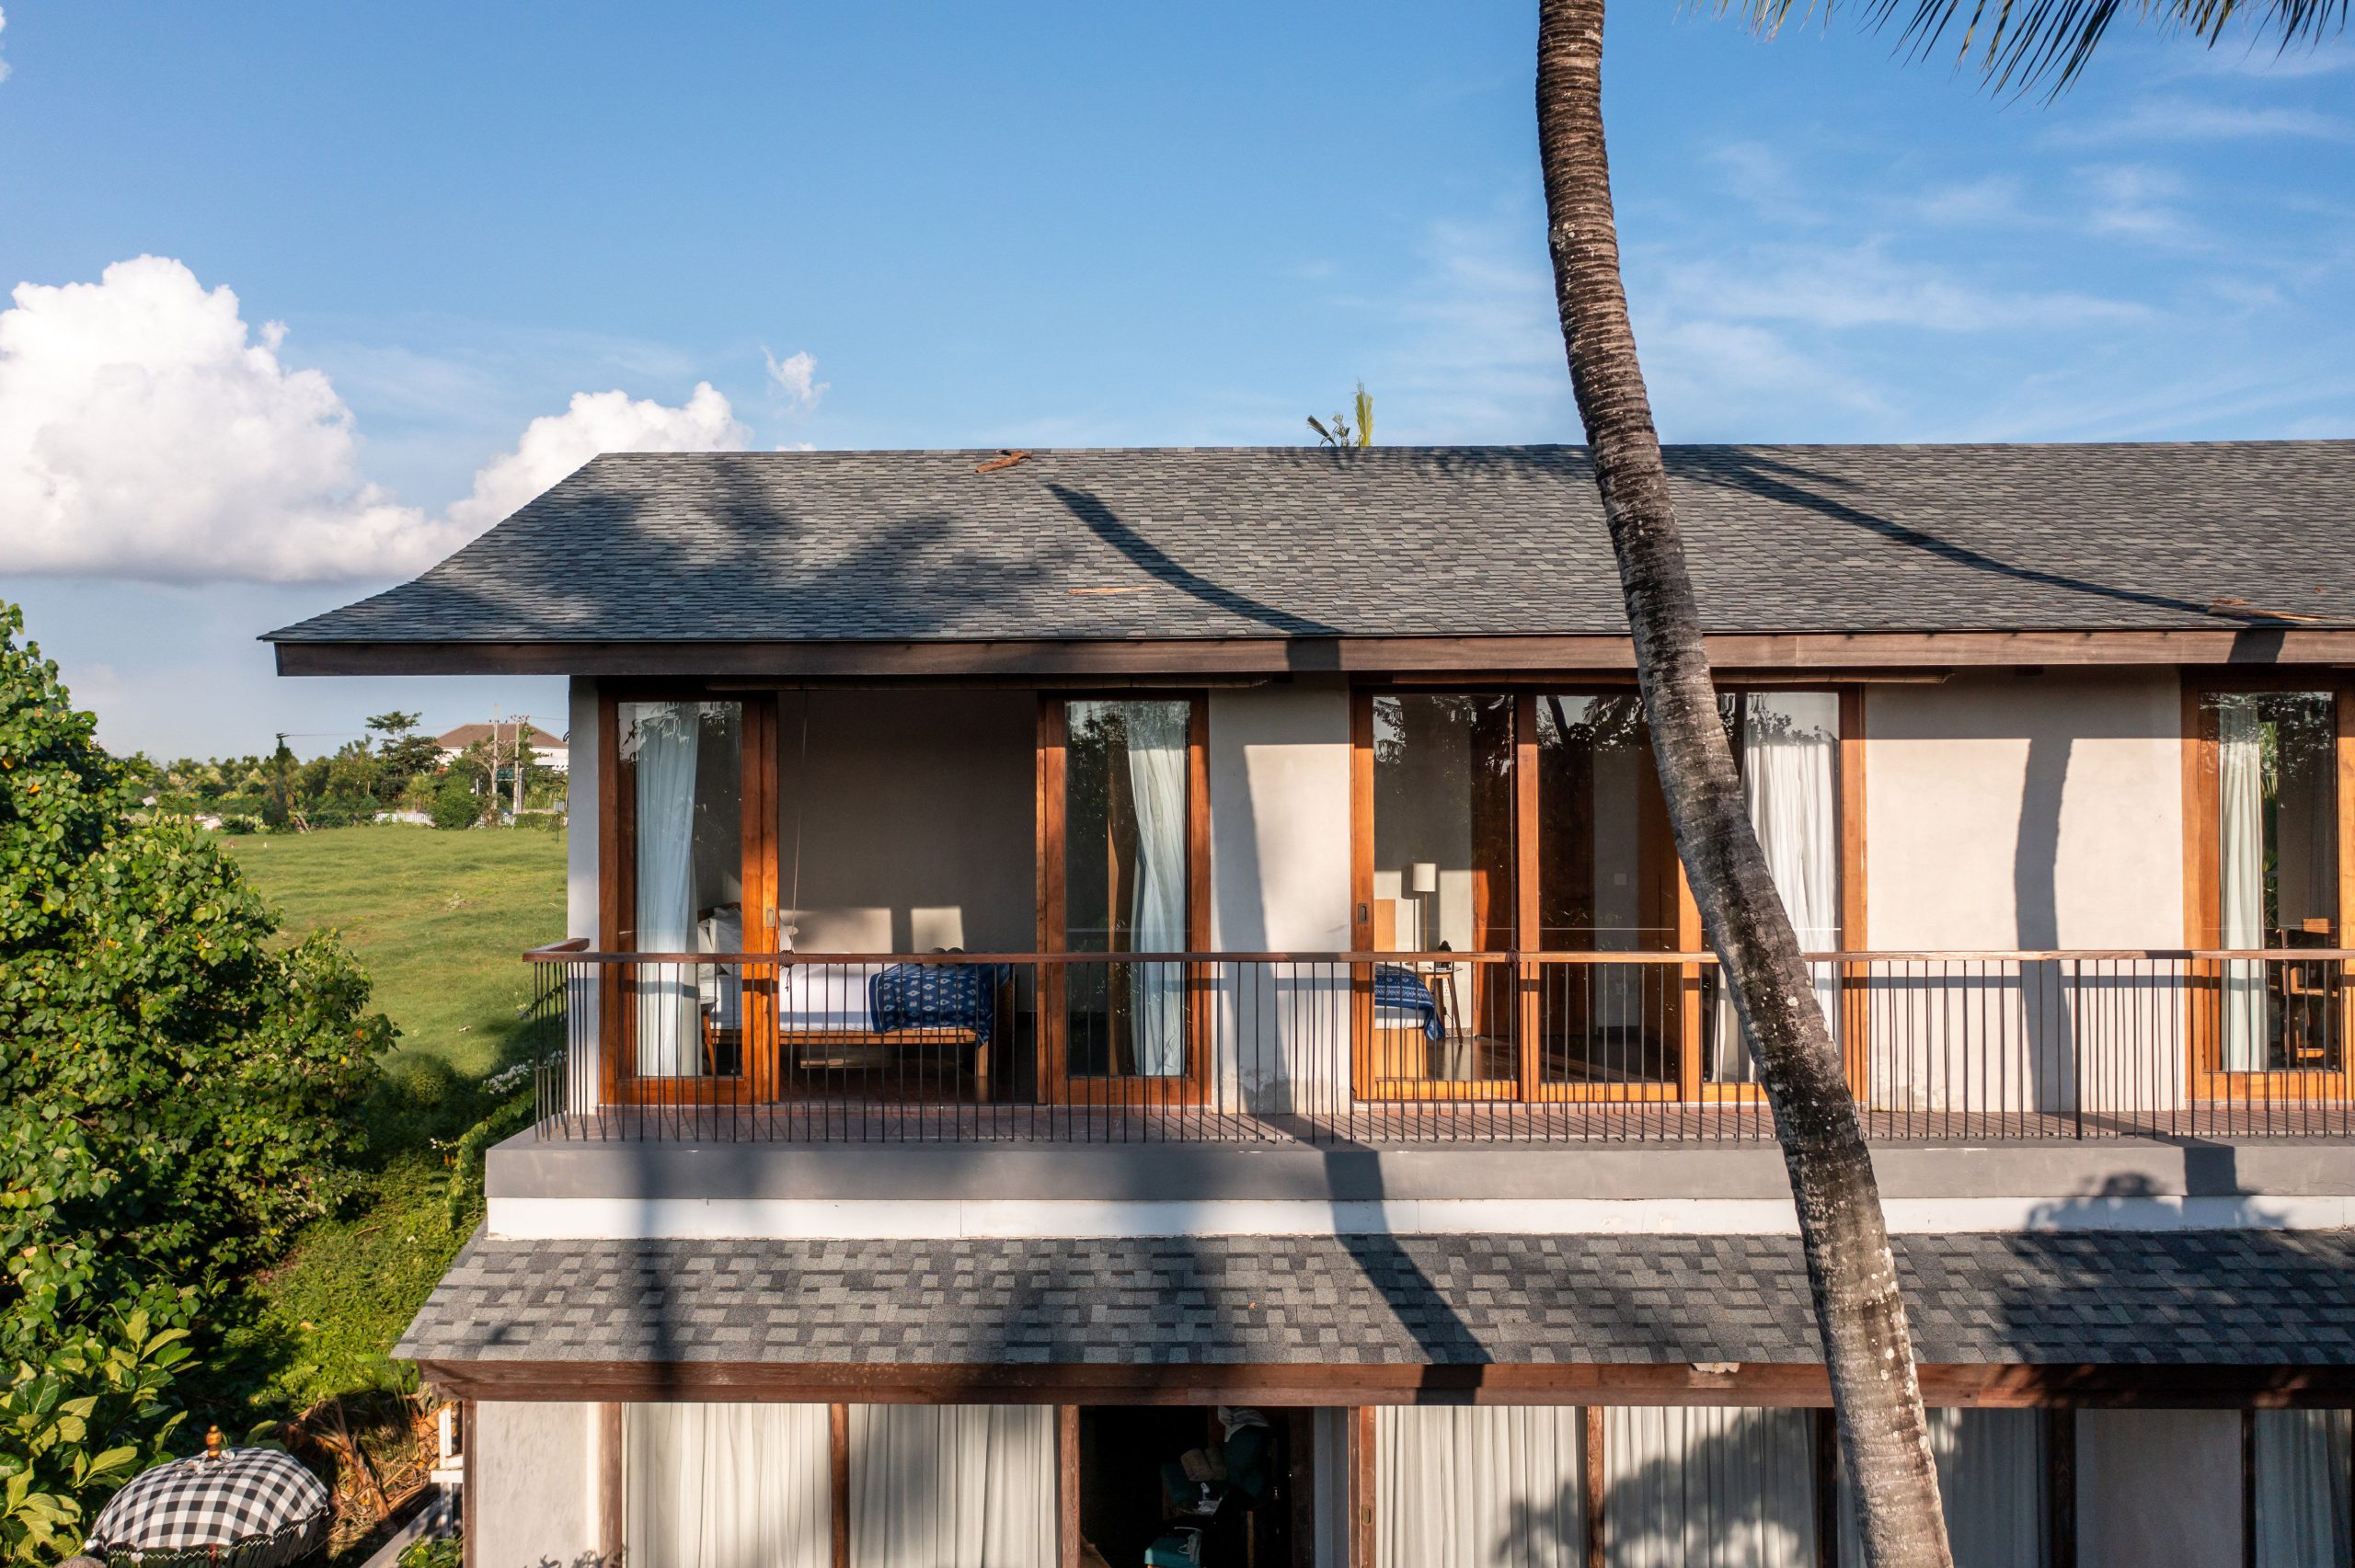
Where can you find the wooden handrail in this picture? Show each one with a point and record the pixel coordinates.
(576, 951)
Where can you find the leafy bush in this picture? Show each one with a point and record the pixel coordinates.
(75, 1429)
(175, 1085)
(455, 805)
(445, 1551)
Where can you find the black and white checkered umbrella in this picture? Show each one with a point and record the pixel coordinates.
(247, 1509)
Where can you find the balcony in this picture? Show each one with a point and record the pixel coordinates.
(1404, 1049)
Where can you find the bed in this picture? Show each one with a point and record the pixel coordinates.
(855, 1016)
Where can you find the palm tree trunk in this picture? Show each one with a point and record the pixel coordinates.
(1859, 1310)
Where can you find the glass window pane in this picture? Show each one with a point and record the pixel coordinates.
(1787, 747)
(681, 761)
(1125, 825)
(1444, 880)
(1606, 883)
(2277, 874)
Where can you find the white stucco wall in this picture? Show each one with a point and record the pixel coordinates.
(2024, 811)
(532, 1498)
(1280, 882)
(1279, 818)
(2008, 811)
(2159, 1486)
(582, 810)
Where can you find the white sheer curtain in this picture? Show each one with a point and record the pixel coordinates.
(1790, 745)
(1708, 1487)
(1157, 767)
(663, 738)
(2302, 1504)
(726, 1486)
(1479, 1487)
(1992, 1479)
(2240, 875)
(952, 1486)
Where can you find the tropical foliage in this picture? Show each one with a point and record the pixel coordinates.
(72, 1430)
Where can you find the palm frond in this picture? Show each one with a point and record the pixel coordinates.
(2021, 44)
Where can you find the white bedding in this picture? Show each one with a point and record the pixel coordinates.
(826, 996)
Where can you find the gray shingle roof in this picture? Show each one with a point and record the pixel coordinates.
(2199, 1297)
(1389, 540)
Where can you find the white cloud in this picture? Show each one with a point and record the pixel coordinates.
(4, 27)
(146, 431)
(1844, 289)
(556, 444)
(796, 377)
(2186, 119)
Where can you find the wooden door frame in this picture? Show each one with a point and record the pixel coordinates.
(2204, 1078)
(756, 1079)
(1055, 1082)
(1366, 1084)
(1691, 1019)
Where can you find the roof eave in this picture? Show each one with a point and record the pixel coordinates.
(1262, 657)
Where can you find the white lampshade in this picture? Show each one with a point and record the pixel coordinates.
(1422, 878)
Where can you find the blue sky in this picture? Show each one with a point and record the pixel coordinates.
(1050, 224)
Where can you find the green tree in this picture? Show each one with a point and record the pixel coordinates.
(1860, 1315)
(402, 754)
(73, 1430)
(176, 1084)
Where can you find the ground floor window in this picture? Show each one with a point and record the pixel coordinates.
(727, 1483)
(1501, 1486)
(2300, 1469)
(708, 1485)
(1708, 1487)
(972, 1484)
(1994, 1477)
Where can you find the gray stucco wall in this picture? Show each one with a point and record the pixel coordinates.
(531, 1499)
(1279, 818)
(2159, 1486)
(915, 816)
(2025, 811)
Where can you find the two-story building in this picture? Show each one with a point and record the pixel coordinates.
(1114, 994)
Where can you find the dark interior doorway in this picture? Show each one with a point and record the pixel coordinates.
(1149, 1473)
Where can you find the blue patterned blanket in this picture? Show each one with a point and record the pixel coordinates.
(1394, 985)
(937, 996)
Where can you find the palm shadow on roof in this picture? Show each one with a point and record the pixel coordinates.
(1790, 484)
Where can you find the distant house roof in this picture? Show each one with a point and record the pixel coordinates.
(1293, 545)
(2209, 1297)
(465, 735)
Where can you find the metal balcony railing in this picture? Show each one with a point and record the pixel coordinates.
(1425, 1048)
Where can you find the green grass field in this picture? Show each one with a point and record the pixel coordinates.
(438, 919)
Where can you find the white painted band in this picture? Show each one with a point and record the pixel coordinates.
(814, 1219)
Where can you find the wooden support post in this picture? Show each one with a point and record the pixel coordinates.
(1067, 1485)
(1361, 1446)
(612, 1483)
(1591, 1464)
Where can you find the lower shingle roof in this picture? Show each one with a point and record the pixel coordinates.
(2199, 1297)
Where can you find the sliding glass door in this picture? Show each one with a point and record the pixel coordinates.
(1122, 853)
(1510, 847)
(690, 854)
(1607, 882)
(2265, 825)
(1441, 850)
